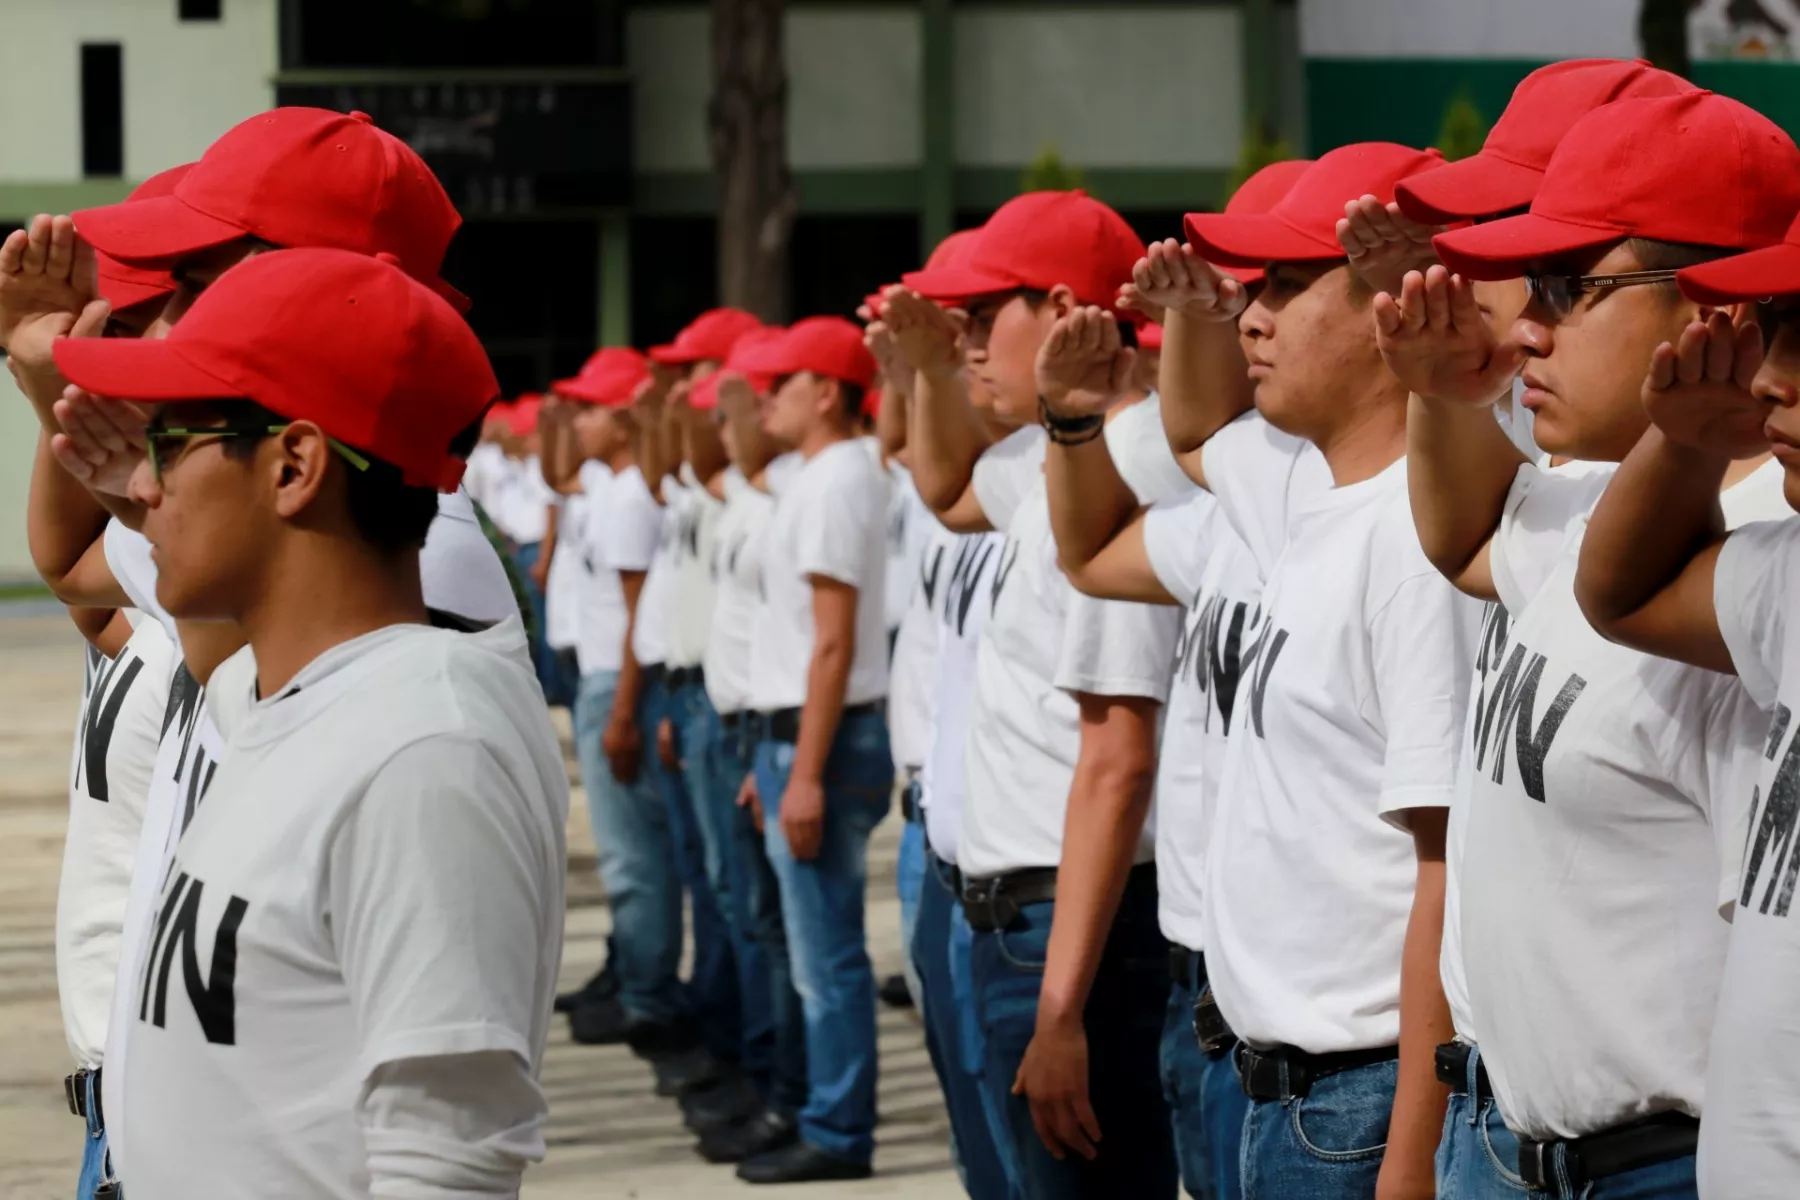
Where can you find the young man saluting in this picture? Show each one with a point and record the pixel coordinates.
(824, 771)
(375, 890)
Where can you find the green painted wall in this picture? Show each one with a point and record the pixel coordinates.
(1403, 100)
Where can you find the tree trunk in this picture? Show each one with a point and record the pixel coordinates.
(747, 131)
(1663, 34)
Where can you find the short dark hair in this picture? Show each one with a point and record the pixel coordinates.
(389, 514)
(853, 398)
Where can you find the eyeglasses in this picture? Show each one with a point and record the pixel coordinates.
(1558, 293)
(156, 435)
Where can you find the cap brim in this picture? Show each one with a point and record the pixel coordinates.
(1759, 275)
(948, 285)
(666, 355)
(455, 299)
(1479, 186)
(123, 293)
(153, 232)
(704, 395)
(1252, 239)
(1503, 249)
(138, 369)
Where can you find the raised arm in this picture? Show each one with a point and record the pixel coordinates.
(1652, 545)
(942, 429)
(1204, 384)
(1460, 464)
(896, 386)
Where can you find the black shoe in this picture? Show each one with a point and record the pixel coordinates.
(894, 992)
(603, 986)
(732, 1101)
(763, 1133)
(693, 1071)
(655, 1040)
(800, 1163)
(599, 1023)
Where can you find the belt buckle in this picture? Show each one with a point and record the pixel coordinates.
(1534, 1164)
(72, 1093)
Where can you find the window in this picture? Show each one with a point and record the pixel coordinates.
(102, 109)
(199, 10)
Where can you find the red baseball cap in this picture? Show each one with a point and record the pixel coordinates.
(609, 377)
(1759, 275)
(346, 340)
(125, 286)
(1150, 336)
(1302, 225)
(828, 346)
(1510, 167)
(1697, 168)
(295, 177)
(709, 337)
(705, 394)
(1259, 194)
(522, 414)
(1037, 241)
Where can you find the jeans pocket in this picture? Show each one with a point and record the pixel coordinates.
(1500, 1145)
(1345, 1119)
(1024, 949)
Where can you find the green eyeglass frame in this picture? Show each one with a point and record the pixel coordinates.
(155, 435)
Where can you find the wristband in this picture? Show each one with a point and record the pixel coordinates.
(1069, 431)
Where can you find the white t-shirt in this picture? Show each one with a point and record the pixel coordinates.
(1349, 712)
(1750, 1139)
(109, 780)
(128, 554)
(562, 590)
(692, 591)
(909, 529)
(485, 474)
(829, 520)
(737, 576)
(1604, 781)
(522, 502)
(1201, 562)
(1043, 643)
(376, 880)
(623, 531)
(650, 634)
(960, 602)
(916, 646)
(1140, 450)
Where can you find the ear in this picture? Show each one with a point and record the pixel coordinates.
(1063, 300)
(300, 457)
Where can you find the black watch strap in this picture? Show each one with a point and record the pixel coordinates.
(1069, 431)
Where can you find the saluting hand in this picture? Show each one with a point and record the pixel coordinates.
(1171, 275)
(48, 278)
(926, 336)
(1384, 243)
(102, 439)
(1435, 340)
(1084, 367)
(1699, 390)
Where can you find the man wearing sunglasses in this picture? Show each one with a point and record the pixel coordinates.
(374, 890)
(1596, 822)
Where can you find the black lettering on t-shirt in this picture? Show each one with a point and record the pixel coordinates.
(1258, 664)
(1210, 654)
(931, 566)
(1008, 557)
(214, 998)
(973, 554)
(1511, 707)
(1771, 836)
(111, 686)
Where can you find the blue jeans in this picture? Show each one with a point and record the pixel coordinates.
(953, 1038)
(1206, 1103)
(714, 773)
(637, 865)
(909, 881)
(1124, 1023)
(1672, 1180)
(712, 988)
(1327, 1146)
(822, 905)
(96, 1163)
(543, 659)
(1478, 1156)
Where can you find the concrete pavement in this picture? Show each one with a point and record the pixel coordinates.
(610, 1137)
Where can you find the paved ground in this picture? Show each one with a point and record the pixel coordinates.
(610, 1137)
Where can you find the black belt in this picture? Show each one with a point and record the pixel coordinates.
(1645, 1143)
(76, 1092)
(1288, 1073)
(731, 722)
(910, 808)
(994, 903)
(651, 673)
(783, 725)
(1452, 1059)
(681, 677)
(1182, 962)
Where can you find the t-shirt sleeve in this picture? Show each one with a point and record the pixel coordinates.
(1140, 450)
(628, 527)
(456, 1126)
(1261, 478)
(1006, 472)
(1422, 649)
(834, 536)
(1179, 536)
(128, 554)
(1544, 508)
(1117, 648)
(1753, 583)
(438, 907)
